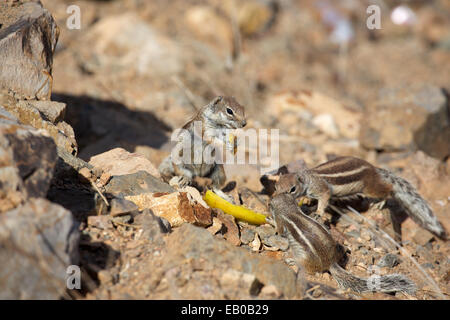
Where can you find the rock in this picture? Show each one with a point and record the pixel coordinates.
(190, 242)
(256, 243)
(241, 281)
(265, 231)
(28, 38)
(277, 242)
(231, 233)
(100, 222)
(389, 260)
(121, 207)
(85, 173)
(217, 226)
(28, 160)
(127, 218)
(125, 43)
(104, 179)
(270, 292)
(135, 184)
(326, 123)
(176, 207)
(247, 235)
(156, 156)
(39, 241)
(406, 118)
(119, 162)
(50, 110)
(27, 113)
(154, 228)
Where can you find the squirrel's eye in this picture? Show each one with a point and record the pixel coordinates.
(229, 111)
(293, 189)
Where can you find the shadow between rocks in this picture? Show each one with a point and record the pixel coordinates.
(101, 125)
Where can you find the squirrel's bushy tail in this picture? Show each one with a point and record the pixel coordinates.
(388, 283)
(416, 207)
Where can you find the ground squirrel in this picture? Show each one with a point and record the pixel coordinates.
(219, 114)
(315, 250)
(346, 177)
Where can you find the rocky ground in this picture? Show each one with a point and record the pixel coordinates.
(86, 117)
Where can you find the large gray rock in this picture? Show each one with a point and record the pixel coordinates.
(135, 184)
(188, 242)
(28, 37)
(408, 118)
(38, 241)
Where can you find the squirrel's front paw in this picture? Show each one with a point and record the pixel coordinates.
(180, 182)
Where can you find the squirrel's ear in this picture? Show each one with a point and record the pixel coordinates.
(217, 100)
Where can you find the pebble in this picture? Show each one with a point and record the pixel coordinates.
(265, 231)
(100, 222)
(247, 235)
(277, 241)
(256, 243)
(121, 207)
(390, 260)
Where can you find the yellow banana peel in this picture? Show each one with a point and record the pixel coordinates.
(239, 212)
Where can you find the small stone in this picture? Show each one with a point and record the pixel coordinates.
(104, 179)
(326, 123)
(216, 226)
(51, 110)
(100, 222)
(270, 292)
(153, 227)
(247, 235)
(119, 162)
(256, 243)
(123, 219)
(121, 206)
(265, 231)
(278, 242)
(390, 260)
(244, 281)
(85, 172)
(232, 230)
